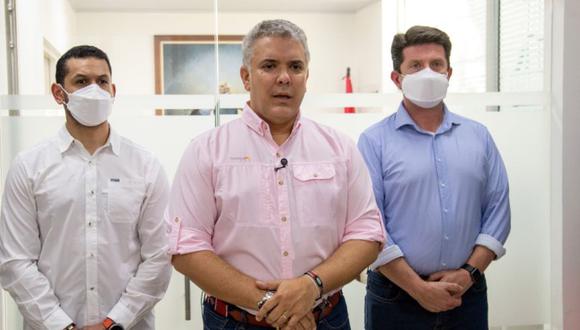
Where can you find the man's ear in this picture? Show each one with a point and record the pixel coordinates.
(245, 75)
(58, 94)
(113, 90)
(396, 78)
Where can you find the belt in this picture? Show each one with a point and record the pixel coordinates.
(239, 315)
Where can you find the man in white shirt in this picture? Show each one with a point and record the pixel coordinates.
(83, 244)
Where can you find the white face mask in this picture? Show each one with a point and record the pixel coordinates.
(90, 105)
(425, 88)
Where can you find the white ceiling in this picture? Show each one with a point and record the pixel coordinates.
(223, 5)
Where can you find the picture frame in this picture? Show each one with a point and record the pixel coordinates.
(185, 64)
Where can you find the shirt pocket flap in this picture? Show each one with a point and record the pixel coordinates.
(309, 172)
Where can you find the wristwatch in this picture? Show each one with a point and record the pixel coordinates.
(112, 325)
(267, 296)
(70, 327)
(473, 272)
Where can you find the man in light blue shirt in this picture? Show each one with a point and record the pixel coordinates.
(442, 188)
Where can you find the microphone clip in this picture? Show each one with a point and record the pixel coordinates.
(283, 162)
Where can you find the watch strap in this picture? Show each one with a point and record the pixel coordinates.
(474, 272)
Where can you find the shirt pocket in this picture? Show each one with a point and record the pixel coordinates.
(124, 200)
(317, 193)
(244, 194)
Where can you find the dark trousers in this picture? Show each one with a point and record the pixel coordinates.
(388, 307)
(336, 320)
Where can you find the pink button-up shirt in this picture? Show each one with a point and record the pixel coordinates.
(228, 198)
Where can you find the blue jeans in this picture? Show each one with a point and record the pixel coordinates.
(336, 320)
(388, 307)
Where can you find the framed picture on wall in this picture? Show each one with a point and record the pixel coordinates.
(185, 64)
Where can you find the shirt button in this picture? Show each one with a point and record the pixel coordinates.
(446, 237)
(285, 253)
(283, 219)
(91, 255)
(90, 224)
(92, 192)
(445, 210)
(442, 184)
(176, 220)
(443, 264)
(281, 182)
(278, 154)
(90, 162)
(92, 288)
(315, 175)
(438, 159)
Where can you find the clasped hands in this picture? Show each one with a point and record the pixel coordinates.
(291, 306)
(443, 290)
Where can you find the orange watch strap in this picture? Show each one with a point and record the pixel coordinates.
(107, 323)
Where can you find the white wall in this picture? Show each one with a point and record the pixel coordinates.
(389, 27)
(53, 20)
(58, 23)
(367, 47)
(3, 63)
(368, 70)
(30, 46)
(556, 129)
(565, 164)
(3, 90)
(332, 40)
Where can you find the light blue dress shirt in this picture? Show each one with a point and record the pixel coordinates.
(440, 193)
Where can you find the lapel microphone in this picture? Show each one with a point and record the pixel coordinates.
(284, 163)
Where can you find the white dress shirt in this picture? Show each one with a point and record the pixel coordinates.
(82, 236)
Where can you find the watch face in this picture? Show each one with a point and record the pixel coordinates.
(116, 327)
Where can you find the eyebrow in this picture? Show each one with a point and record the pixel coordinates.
(81, 75)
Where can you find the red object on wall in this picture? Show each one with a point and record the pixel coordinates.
(348, 91)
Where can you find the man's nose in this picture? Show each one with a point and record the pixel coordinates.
(283, 77)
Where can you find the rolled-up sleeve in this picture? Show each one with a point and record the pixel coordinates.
(496, 219)
(363, 217)
(192, 210)
(372, 157)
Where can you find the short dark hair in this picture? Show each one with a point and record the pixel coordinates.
(418, 35)
(82, 51)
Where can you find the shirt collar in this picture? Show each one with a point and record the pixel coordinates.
(114, 141)
(450, 119)
(65, 140)
(252, 120)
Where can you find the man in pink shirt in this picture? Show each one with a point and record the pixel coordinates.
(272, 213)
